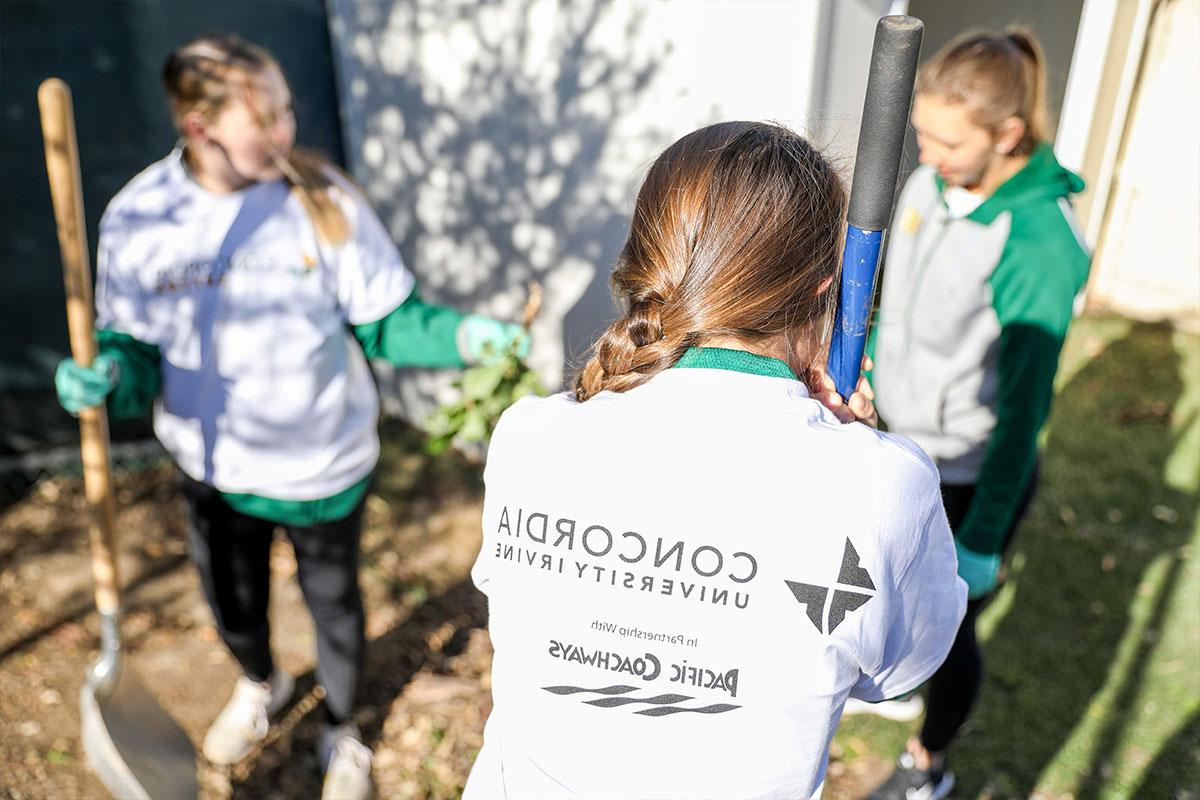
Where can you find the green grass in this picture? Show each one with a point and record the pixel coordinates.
(1093, 646)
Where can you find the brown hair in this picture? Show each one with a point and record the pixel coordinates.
(735, 229)
(999, 75)
(207, 73)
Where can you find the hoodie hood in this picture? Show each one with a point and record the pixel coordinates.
(1041, 179)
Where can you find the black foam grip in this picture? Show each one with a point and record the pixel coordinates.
(885, 116)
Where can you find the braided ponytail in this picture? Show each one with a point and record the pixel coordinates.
(630, 351)
(734, 233)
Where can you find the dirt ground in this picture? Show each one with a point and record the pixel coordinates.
(426, 689)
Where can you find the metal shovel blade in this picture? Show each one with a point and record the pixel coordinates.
(138, 751)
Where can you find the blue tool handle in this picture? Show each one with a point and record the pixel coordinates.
(876, 166)
(860, 258)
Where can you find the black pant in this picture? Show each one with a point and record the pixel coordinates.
(954, 688)
(232, 553)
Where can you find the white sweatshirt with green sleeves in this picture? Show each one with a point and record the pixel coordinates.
(974, 311)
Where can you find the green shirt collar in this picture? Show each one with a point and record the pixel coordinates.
(735, 361)
(1041, 177)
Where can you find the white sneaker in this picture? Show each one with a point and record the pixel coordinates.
(347, 763)
(244, 721)
(902, 709)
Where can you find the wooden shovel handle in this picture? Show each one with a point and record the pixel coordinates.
(62, 166)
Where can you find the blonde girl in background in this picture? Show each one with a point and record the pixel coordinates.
(690, 561)
(984, 263)
(243, 284)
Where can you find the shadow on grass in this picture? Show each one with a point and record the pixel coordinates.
(1104, 514)
(1175, 771)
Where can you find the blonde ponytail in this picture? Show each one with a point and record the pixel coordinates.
(311, 178)
(1037, 113)
(999, 76)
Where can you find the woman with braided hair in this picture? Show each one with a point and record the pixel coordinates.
(697, 555)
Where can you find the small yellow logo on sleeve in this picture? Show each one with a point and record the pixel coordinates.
(910, 221)
(309, 261)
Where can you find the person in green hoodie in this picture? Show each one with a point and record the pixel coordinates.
(984, 264)
(242, 286)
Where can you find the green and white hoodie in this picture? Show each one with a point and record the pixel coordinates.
(977, 297)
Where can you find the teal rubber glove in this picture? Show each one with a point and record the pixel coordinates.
(485, 340)
(978, 570)
(83, 387)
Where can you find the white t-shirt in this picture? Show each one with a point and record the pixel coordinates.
(264, 389)
(960, 202)
(686, 581)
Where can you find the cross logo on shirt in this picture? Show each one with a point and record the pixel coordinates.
(815, 598)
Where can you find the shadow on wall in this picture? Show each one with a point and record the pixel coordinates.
(499, 144)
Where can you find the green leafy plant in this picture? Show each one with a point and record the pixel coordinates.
(485, 391)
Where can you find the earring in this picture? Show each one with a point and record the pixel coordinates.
(1000, 149)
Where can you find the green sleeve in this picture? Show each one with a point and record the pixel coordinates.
(1025, 367)
(869, 350)
(1033, 293)
(415, 334)
(140, 374)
